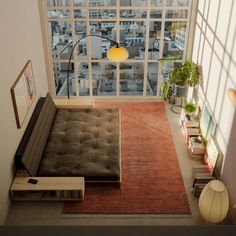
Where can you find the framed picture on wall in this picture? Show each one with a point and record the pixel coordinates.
(213, 157)
(23, 93)
(207, 123)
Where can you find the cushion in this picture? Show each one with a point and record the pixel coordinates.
(83, 142)
(38, 138)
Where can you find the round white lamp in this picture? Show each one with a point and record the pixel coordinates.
(214, 202)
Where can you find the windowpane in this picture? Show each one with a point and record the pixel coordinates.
(176, 14)
(58, 2)
(154, 40)
(71, 80)
(102, 3)
(174, 39)
(101, 45)
(129, 14)
(131, 79)
(104, 79)
(152, 79)
(79, 3)
(83, 82)
(80, 14)
(133, 3)
(60, 70)
(156, 2)
(58, 14)
(166, 69)
(178, 3)
(132, 35)
(102, 14)
(80, 32)
(60, 33)
(155, 14)
(207, 123)
(165, 72)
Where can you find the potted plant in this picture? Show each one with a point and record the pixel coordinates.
(190, 108)
(188, 74)
(166, 90)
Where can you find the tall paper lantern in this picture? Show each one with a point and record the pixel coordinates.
(214, 202)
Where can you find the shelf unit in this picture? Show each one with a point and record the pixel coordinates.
(196, 148)
(190, 126)
(200, 181)
(48, 189)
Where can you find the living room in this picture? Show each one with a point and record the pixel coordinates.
(213, 48)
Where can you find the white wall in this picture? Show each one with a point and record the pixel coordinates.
(20, 40)
(215, 51)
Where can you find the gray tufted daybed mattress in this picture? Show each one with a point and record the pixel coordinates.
(72, 142)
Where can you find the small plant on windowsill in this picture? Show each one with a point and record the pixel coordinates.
(190, 108)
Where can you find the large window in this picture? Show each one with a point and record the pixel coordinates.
(149, 29)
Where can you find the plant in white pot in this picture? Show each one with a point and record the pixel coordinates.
(187, 74)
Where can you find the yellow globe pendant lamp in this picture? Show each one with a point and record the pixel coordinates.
(117, 54)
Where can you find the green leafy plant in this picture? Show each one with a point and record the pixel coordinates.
(188, 74)
(166, 90)
(190, 107)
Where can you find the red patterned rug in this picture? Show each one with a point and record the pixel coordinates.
(151, 178)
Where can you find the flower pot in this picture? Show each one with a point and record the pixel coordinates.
(180, 91)
(191, 114)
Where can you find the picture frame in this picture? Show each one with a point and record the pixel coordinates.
(212, 156)
(207, 123)
(23, 93)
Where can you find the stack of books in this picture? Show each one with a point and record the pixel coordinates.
(200, 181)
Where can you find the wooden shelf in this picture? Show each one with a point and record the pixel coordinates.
(73, 103)
(190, 126)
(48, 189)
(196, 148)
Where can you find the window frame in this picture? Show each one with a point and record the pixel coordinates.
(48, 52)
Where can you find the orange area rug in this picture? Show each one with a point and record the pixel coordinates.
(151, 178)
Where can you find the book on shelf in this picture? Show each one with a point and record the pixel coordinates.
(196, 157)
(200, 169)
(67, 194)
(192, 131)
(191, 121)
(203, 174)
(194, 124)
(75, 194)
(196, 149)
(202, 180)
(197, 189)
(197, 140)
(59, 194)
